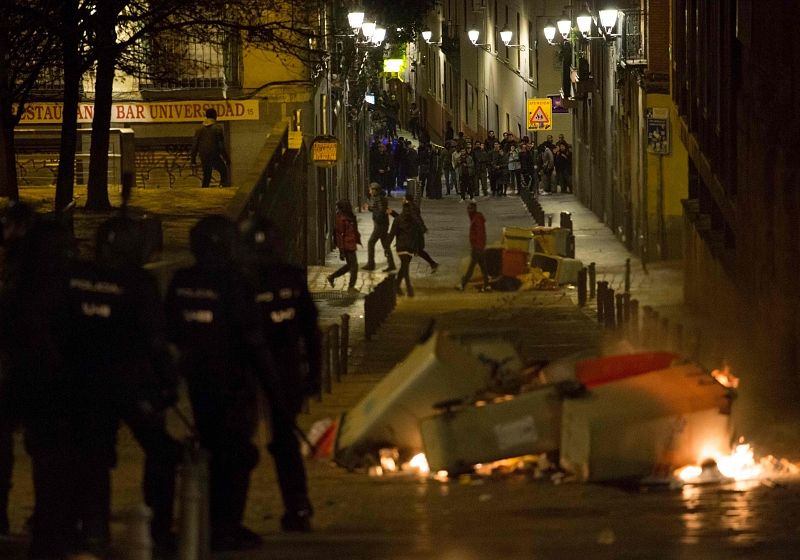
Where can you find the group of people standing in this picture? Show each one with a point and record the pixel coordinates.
(89, 343)
(498, 167)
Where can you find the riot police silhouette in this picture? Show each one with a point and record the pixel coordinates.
(289, 318)
(214, 322)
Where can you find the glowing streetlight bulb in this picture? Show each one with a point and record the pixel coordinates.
(426, 35)
(379, 35)
(355, 19)
(473, 35)
(549, 32)
(584, 23)
(564, 25)
(608, 19)
(368, 28)
(505, 36)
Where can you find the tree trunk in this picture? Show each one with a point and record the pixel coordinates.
(97, 186)
(8, 162)
(73, 71)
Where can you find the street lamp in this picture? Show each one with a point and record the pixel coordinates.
(550, 32)
(506, 35)
(564, 25)
(378, 36)
(355, 19)
(368, 29)
(426, 35)
(473, 35)
(608, 19)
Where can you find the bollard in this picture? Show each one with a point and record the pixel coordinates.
(345, 344)
(325, 358)
(620, 310)
(549, 220)
(582, 286)
(138, 543)
(647, 318)
(592, 279)
(335, 353)
(601, 301)
(634, 321)
(194, 539)
(608, 313)
(655, 323)
(627, 275)
(566, 220)
(328, 363)
(626, 306)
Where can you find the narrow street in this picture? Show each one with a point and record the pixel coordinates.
(509, 515)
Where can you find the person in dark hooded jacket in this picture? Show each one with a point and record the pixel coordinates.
(405, 232)
(209, 143)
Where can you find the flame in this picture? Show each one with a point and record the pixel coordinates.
(739, 464)
(725, 377)
(420, 463)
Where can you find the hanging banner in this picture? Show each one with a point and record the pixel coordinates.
(147, 112)
(540, 114)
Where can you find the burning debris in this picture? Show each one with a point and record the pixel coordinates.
(451, 411)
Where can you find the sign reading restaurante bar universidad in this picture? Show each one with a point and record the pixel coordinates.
(146, 112)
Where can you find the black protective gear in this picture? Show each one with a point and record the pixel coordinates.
(120, 369)
(214, 322)
(213, 241)
(120, 243)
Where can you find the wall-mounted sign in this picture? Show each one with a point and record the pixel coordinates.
(558, 104)
(393, 65)
(146, 112)
(540, 114)
(295, 139)
(325, 151)
(658, 131)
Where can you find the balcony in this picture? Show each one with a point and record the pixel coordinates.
(633, 42)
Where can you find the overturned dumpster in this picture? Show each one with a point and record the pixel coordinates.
(437, 369)
(644, 425)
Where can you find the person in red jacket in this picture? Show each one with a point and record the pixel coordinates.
(477, 242)
(347, 239)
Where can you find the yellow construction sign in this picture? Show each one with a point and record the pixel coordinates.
(540, 114)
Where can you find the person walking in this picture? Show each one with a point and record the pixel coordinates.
(466, 174)
(414, 120)
(405, 233)
(380, 167)
(448, 168)
(119, 367)
(289, 319)
(347, 239)
(215, 324)
(209, 143)
(477, 242)
(379, 206)
(421, 230)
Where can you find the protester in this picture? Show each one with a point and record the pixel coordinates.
(483, 161)
(209, 143)
(347, 239)
(477, 242)
(466, 173)
(448, 167)
(380, 167)
(405, 233)
(289, 318)
(414, 120)
(379, 207)
(216, 325)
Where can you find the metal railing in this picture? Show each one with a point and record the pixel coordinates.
(633, 49)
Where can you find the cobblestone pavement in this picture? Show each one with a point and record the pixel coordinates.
(511, 516)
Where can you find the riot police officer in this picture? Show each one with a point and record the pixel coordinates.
(33, 388)
(215, 324)
(119, 367)
(17, 222)
(289, 317)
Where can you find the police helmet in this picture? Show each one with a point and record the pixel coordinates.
(213, 240)
(119, 242)
(261, 238)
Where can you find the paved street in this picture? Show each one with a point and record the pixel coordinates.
(508, 516)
